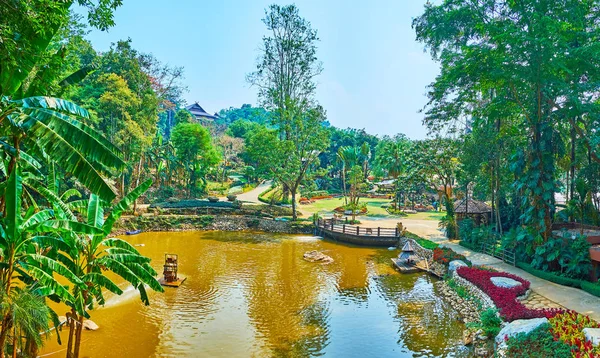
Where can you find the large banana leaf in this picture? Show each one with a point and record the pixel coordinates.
(90, 143)
(62, 225)
(95, 212)
(52, 198)
(57, 104)
(118, 209)
(56, 267)
(77, 76)
(70, 159)
(103, 281)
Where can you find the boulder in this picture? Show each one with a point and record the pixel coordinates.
(592, 335)
(518, 326)
(455, 264)
(90, 325)
(316, 256)
(505, 282)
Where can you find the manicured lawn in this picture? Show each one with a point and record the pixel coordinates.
(327, 206)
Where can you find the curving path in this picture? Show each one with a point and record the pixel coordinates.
(568, 297)
(252, 195)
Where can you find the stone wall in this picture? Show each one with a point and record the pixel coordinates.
(474, 291)
(208, 222)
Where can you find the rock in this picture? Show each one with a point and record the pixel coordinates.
(467, 337)
(592, 335)
(316, 256)
(518, 326)
(481, 352)
(455, 264)
(90, 325)
(505, 282)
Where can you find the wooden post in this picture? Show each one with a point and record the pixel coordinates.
(378, 231)
(358, 231)
(397, 232)
(332, 224)
(344, 228)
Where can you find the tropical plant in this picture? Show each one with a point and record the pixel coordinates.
(89, 257)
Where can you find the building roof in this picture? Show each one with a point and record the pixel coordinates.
(199, 112)
(473, 207)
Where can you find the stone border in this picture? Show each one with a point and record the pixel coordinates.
(209, 223)
(475, 291)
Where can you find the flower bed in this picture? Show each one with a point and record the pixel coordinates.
(444, 255)
(568, 327)
(505, 299)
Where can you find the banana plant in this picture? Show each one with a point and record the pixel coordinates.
(45, 127)
(91, 256)
(25, 240)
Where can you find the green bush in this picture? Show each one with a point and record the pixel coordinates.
(427, 244)
(490, 322)
(591, 287)
(561, 280)
(468, 245)
(537, 343)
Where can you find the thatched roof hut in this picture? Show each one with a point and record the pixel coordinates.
(479, 211)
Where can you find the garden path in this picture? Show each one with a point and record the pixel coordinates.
(568, 297)
(252, 195)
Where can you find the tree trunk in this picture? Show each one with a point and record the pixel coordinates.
(294, 213)
(78, 337)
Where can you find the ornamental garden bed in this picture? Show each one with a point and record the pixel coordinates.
(505, 299)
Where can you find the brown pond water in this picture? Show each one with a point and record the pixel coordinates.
(252, 295)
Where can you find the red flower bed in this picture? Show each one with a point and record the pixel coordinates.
(505, 299)
(444, 255)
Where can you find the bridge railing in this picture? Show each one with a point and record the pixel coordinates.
(340, 226)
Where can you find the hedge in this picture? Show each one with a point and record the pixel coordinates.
(468, 245)
(589, 287)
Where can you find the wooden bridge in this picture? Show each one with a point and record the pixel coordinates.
(339, 230)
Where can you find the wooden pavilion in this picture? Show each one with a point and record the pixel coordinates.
(478, 211)
(200, 114)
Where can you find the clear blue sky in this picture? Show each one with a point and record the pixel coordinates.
(375, 73)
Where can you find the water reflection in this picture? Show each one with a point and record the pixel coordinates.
(252, 295)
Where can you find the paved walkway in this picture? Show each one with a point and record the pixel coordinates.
(568, 297)
(252, 195)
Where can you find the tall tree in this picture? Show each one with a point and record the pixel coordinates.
(285, 78)
(537, 59)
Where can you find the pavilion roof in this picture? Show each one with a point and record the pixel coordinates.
(199, 112)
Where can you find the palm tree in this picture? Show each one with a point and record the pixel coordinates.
(29, 317)
(348, 156)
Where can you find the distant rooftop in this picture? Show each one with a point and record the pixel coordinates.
(199, 112)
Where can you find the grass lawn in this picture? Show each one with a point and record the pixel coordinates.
(326, 206)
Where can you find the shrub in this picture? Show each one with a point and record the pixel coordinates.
(444, 255)
(568, 327)
(561, 280)
(490, 322)
(427, 244)
(537, 343)
(590, 287)
(504, 298)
